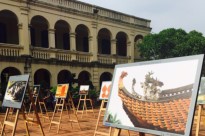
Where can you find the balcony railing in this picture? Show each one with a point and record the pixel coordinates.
(10, 50)
(64, 55)
(122, 60)
(83, 57)
(40, 53)
(105, 59)
(88, 8)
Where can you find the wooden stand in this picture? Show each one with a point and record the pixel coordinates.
(42, 106)
(198, 119)
(60, 103)
(1, 127)
(100, 115)
(35, 102)
(70, 103)
(26, 120)
(83, 98)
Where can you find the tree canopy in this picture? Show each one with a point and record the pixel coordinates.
(172, 43)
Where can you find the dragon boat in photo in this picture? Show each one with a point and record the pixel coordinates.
(165, 110)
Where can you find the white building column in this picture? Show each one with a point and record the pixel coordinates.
(129, 52)
(132, 46)
(113, 46)
(93, 45)
(73, 44)
(24, 31)
(51, 38)
(113, 49)
(73, 41)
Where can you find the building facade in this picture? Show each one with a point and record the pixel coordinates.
(56, 41)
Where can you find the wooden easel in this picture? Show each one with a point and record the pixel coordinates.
(42, 106)
(117, 132)
(83, 98)
(100, 115)
(59, 106)
(198, 119)
(35, 102)
(70, 103)
(1, 127)
(26, 120)
(60, 103)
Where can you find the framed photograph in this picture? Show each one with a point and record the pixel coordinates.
(201, 95)
(36, 90)
(105, 90)
(84, 90)
(15, 91)
(156, 97)
(62, 90)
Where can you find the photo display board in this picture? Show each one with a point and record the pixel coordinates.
(201, 95)
(62, 90)
(36, 90)
(84, 90)
(105, 90)
(15, 91)
(156, 97)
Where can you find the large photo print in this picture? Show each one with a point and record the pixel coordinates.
(156, 97)
(15, 91)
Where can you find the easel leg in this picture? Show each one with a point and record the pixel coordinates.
(141, 134)
(198, 120)
(52, 116)
(101, 107)
(128, 132)
(15, 122)
(61, 115)
(92, 107)
(77, 121)
(78, 105)
(3, 127)
(117, 132)
(72, 104)
(85, 106)
(24, 117)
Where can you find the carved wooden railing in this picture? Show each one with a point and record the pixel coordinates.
(10, 50)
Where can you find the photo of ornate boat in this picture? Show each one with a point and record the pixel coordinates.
(156, 97)
(165, 110)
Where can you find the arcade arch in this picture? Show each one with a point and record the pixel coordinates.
(104, 41)
(62, 36)
(8, 27)
(121, 45)
(82, 34)
(42, 77)
(39, 32)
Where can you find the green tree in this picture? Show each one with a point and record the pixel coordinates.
(171, 43)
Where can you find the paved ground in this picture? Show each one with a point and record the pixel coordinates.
(87, 123)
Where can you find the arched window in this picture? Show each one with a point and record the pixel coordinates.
(82, 43)
(39, 32)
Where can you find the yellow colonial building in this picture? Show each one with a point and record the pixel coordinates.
(58, 40)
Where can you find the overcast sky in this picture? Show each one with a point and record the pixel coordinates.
(186, 14)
